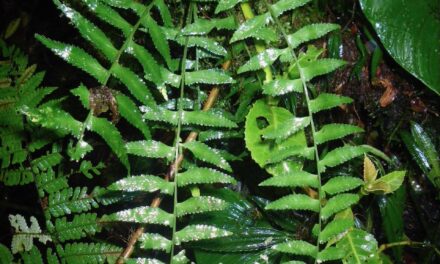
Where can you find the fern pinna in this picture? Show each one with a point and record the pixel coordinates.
(277, 139)
(154, 99)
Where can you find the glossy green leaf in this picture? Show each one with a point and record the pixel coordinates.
(109, 15)
(295, 151)
(261, 60)
(292, 179)
(359, 247)
(281, 86)
(334, 228)
(129, 111)
(226, 4)
(208, 77)
(203, 176)
(150, 149)
(335, 131)
(159, 39)
(155, 241)
(415, 47)
(295, 202)
(310, 32)
(207, 154)
(149, 64)
(341, 155)
(321, 67)
(164, 12)
(341, 184)
(204, 26)
(338, 203)
(180, 258)
(330, 253)
(112, 137)
(289, 126)
(142, 183)
(143, 214)
(285, 5)
(201, 204)
(76, 56)
(246, 29)
(297, 247)
(326, 101)
(199, 232)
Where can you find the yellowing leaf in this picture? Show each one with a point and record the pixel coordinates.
(370, 172)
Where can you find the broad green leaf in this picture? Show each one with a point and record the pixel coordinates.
(310, 32)
(142, 183)
(326, 101)
(89, 31)
(338, 203)
(281, 86)
(201, 204)
(129, 111)
(295, 202)
(208, 77)
(293, 179)
(143, 214)
(297, 247)
(289, 126)
(77, 57)
(199, 232)
(386, 184)
(341, 184)
(247, 28)
(416, 47)
(207, 154)
(226, 4)
(321, 67)
(150, 149)
(335, 131)
(334, 228)
(285, 5)
(111, 136)
(134, 83)
(202, 176)
(416, 152)
(201, 118)
(341, 155)
(359, 247)
(155, 242)
(261, 60)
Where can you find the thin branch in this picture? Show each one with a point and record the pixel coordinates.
(213, 95)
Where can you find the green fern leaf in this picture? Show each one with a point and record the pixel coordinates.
(201, 118)
(338, 203)
(335, 131)
(135, 85)
(5, 255)
(71, 200)
(80, 253)
(262, 60)
(32, 99)
(159, 39)
(207, 154)
(129, 111)
(326, 101)
(293, 179)
(89, 31)
(77, 57)
(109, 15)
(294, 202)
(295, 151)
(226, 4)
(203, 176)
(207, 44)
(46, 162)
(55, 119)
(143, 214)
(209, 135)
(359, 247)
(149, 64)
(142, 183)
(207, 77)
(341, 184)
(81, 226)
(51, 257)
(49, 183)
(204, 26)
(150, 149)
(155, 242)
(32, 257)
(280, 87)
(297, 247)
(285, 5)
(334, 228)
(164, 12)
(199, 232)
(112, 137)
(201, 204)
(246, 29)
(288, 127)
(120, 3)
(330, 253)
(310, 32)
(321, 67)
(180, 258)
(340, 155)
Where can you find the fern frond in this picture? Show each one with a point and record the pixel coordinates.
(150, 149)
(203, 176)
(207, 154)
(201, 204)
(338, 203)
(80, 253)
(334, 228)
(143, 214)
(70, 200)
(335, 131)
(143, 183)
(81, 226)
(155, 241)
(295, 202)
(199, 232)
(341, 184)
(326, 101)
(204, 26)
(297, 247)
(292, 179)
(283, 86)
(341, 155)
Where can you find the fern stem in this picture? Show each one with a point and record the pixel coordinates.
(312, 123)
